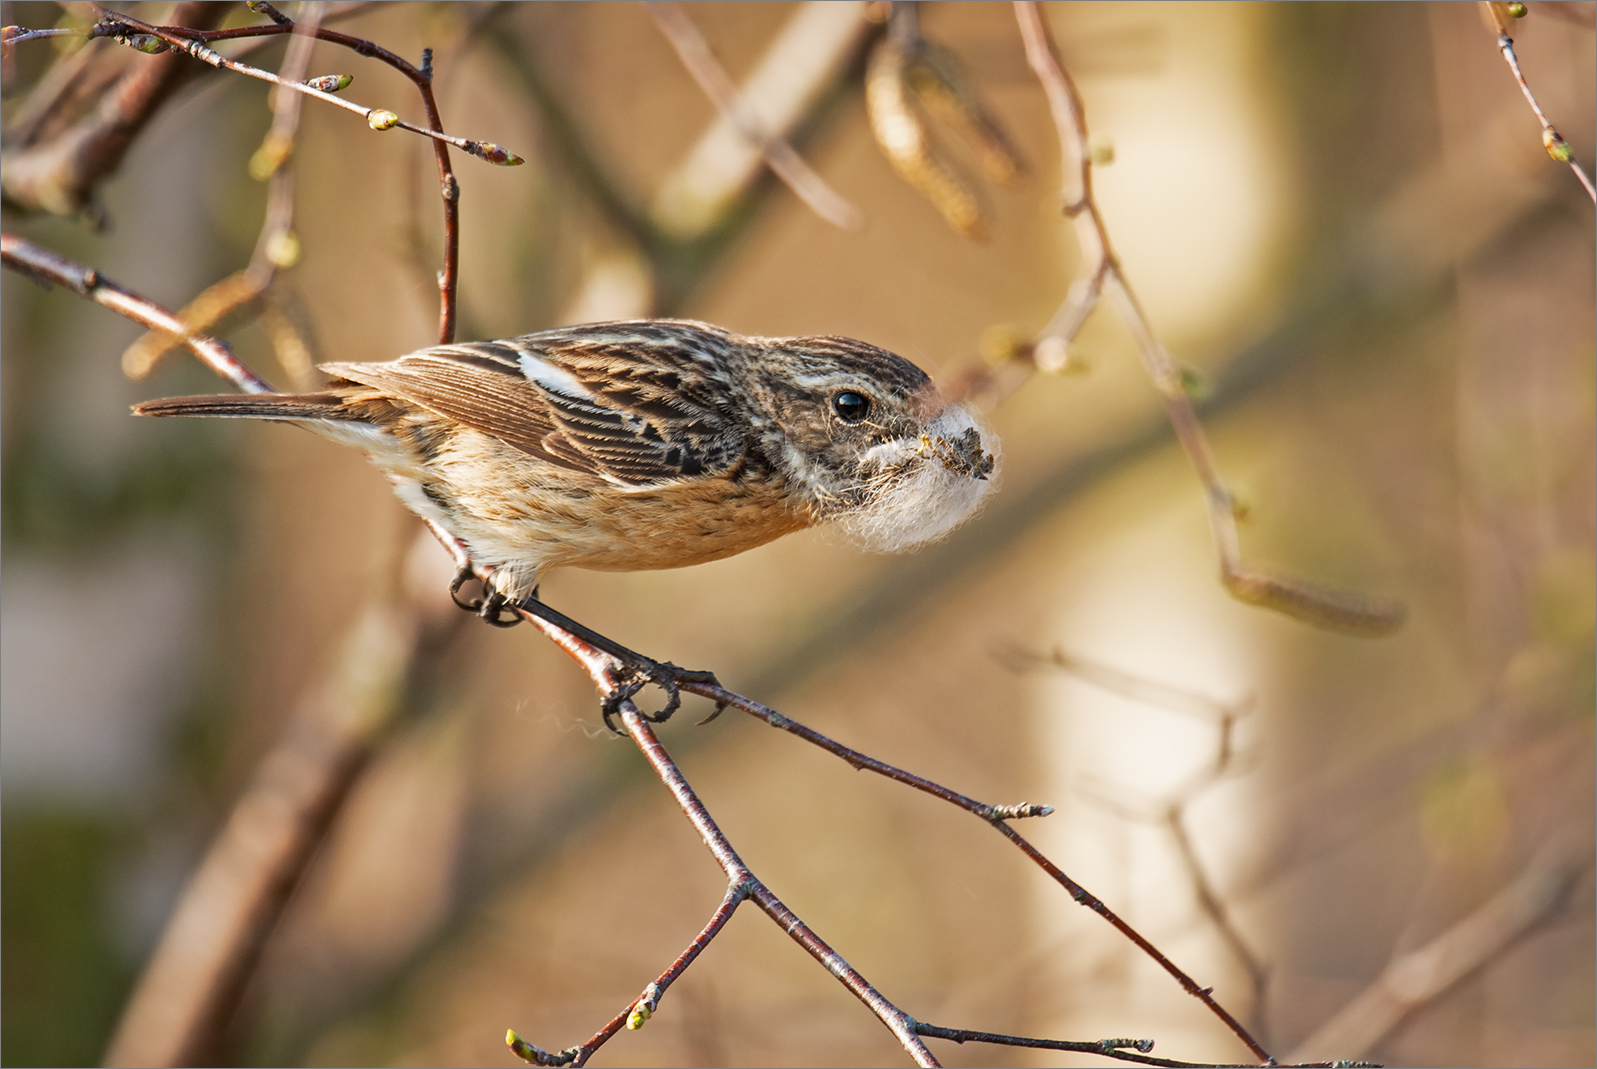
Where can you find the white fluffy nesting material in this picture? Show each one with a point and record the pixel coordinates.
(918, 491)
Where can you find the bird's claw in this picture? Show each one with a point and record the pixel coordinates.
(636, 675)
(491, 608)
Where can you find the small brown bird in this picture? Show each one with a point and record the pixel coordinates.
(650, 443)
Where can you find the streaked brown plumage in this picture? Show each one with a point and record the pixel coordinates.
(645, 444)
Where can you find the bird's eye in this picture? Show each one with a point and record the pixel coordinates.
(851, 407)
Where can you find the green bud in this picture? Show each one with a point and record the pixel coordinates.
(378, 119)
(1517, 9)
(1194, 384)
(148, 43)
(1556, 146)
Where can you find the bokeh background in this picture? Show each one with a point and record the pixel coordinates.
(1338, 215)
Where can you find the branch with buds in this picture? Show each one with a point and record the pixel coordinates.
(1500, 15)
(1103, 277)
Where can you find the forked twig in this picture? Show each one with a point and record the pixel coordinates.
(742, 883)
(1104, 277)
(1171, 813)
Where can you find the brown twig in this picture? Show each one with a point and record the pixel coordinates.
(997, 816)
(1501, 15)
(116, 26)
(635, 1015)
(1110, 1048)
(601, 668)
(1104, 277)
(694, 52)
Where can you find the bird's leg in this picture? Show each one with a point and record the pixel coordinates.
(637, 671)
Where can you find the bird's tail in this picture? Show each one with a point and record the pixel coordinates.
(317, 406)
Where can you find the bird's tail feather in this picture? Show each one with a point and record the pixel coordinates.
(259, 405)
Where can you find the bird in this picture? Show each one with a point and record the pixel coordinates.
(643, 444)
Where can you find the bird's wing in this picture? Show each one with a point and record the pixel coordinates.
(636, 411)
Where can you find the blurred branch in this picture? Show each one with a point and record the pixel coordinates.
(789, 166)
(60, 175)
(698, 204)
(47, 267)
(1500, 15)
(190, 989)
(1423, 975)
(797, 69)
(1172, 813)
(1103, 276)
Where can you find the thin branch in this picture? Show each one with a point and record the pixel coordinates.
(694, 52)
(997, 816)
(635, 1015)
(1108, 1048)
(1500, 14)
(46, 266)
(1103, 277)
(600, 666)
(376, 118)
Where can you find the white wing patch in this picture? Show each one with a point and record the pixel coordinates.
(553, 378)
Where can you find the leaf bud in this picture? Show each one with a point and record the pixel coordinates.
(1556, 146)
(147, 43)
(331, 83)
(493, 153)
(379, 119)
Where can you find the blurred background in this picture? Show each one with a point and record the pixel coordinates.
(1339, 217)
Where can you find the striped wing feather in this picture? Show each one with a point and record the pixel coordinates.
(629, 408)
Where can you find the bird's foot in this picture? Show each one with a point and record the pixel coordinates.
(493, 607)
(637, 672)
